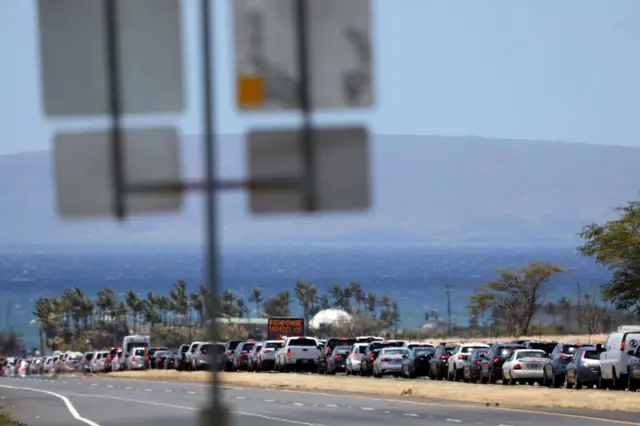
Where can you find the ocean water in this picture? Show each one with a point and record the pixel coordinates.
(414, 275)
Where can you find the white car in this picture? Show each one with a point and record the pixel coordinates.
(355, 358)
(459, 356)
(524, 365)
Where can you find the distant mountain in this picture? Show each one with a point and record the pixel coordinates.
(426, 189)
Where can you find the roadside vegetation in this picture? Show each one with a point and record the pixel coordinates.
(6, 419)
(513, 304)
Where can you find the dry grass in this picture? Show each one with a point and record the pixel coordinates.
(505, 396)
(596, 338)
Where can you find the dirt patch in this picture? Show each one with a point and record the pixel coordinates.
(584, 338)
(504, 395)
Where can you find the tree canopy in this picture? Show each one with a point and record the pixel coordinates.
(514, 297)
(616, 245)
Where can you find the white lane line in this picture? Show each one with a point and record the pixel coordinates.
(63, 398)
(147, 390)
(109, 386)
(191, 393)
(367, 408)
(268, 400)
(411, 414)
(331, 405)
(503, 425)
(240, 397)
(298, 404)
(128, 387)
(182, 407)
(454, 420)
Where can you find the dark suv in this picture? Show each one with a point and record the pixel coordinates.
(439, 362)
(556, 367)
(491, 365)
(548, 347)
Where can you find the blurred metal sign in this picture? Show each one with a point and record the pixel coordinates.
(74, 63)
(145, 329)
(341, 164)
(84, 175)
(266, 59)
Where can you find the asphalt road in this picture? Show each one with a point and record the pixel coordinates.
(101, 401)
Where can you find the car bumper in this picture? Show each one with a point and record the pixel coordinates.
(388, 367)
(586, 374)
(526, 374)
(635, 373)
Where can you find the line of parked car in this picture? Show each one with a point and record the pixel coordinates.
(613, 365)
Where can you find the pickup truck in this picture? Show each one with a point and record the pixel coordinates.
(297, 353)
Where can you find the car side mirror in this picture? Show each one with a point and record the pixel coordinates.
(598, 347)
(405, 356)
(631, 352)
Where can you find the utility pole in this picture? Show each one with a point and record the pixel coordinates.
(448, 293)
(579, 290)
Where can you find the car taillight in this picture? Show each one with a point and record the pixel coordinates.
(338, 356)
(267, 351)
(372, 357)
(564, 356)
(148, 357)
(102, 361)
(329, 351)
(385, 359)
(243, 354)
(460, 356)
(478, 362)
(496, 359)
(517, 367)
(255, 352)
(289, 352)
(201, 351)
(86, 359)
(229, 352)
(443, 357)
(622, 346)
(66, 363)
(133, 358)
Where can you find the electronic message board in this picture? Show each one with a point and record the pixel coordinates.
(284, 326)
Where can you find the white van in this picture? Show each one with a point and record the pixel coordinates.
(134, 341)
(614, 358)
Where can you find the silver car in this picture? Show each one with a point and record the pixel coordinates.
(267, 355)
(389, 361)
(135, 360)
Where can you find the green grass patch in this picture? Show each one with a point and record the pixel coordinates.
(6, 419)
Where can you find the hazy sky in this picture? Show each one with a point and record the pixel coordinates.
(544, 69)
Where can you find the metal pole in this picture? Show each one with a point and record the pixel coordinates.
(214, 415)
(304, 93)
(115, 107)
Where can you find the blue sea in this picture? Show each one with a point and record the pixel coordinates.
(415, 275)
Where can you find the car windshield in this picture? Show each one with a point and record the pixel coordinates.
(184, 348)
(138, 351)
(543, 346)
(571, 349)
(418, 345)
(132, 345)
(248, 347)
(89, 356)
(233, 345)
(342, 349)
(273, 345)
(468, 349)
(591, 355)
(506, 351)
(302, 342)
(422, 350)
(362, 349)
(396, 351)
(531, 354)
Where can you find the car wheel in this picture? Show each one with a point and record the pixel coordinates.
(632, 385)
(504, 379)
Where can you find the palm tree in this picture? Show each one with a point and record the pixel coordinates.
(243, 308)
(307, 297)
(256, 297)
(179, 299)
(336, 293)
(372, 303)
(163, 304)
(358, 294)
(134, 303)
(197, 303)
(105, 302)
(229, 304)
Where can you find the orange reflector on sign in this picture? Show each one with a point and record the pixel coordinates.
(250, 91)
